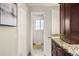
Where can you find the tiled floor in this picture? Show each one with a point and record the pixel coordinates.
(38, 52)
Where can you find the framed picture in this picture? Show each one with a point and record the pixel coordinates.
(8, 14)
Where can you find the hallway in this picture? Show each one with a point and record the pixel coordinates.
(28, 24)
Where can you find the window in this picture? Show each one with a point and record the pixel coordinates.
(42, 24)
(39, 24)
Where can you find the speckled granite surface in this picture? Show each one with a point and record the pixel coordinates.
(71, 48)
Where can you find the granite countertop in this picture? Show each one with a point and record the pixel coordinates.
(71, 48)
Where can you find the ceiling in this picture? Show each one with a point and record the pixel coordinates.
(42, 4)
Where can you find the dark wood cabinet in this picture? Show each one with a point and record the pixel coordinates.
(69, 16)
(59, 51)
(69, 26)
(56, 50)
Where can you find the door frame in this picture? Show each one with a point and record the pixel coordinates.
(34, 13)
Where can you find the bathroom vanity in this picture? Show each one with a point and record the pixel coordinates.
(61, 48)
(67, 44)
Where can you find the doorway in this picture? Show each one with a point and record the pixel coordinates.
(41, 26)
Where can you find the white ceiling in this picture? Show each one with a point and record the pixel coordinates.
(42, 4)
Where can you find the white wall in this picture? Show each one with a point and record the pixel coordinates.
(28, 30)
(22, 29)
(8, 41)
(15, 40)
(56, 20)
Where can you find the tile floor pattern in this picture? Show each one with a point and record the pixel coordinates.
(38, 52)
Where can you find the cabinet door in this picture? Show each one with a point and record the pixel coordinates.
(70, 22)
(75, 24)
(59, 51)
(62, 19)
(53, 49)
(56, 50)
(65, 21)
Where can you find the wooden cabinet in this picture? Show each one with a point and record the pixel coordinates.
(56, 50)
(69, 26)
(69, 15)
(59, 51)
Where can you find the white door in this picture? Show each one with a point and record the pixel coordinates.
(47, 33)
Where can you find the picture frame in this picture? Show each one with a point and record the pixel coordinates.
(8, 14)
